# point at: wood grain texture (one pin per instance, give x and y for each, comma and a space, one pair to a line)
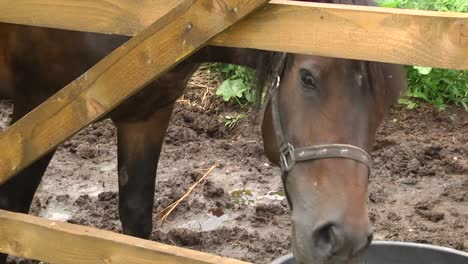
412, 37
123, 17
58, 242
169, 40
408, 37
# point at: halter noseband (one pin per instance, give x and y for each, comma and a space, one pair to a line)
289, 155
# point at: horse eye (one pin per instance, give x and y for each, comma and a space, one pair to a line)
308, 80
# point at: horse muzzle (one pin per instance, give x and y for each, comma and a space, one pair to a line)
331, 242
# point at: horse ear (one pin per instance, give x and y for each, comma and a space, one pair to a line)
266, 68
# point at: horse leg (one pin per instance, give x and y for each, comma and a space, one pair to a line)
17, 193
139, 146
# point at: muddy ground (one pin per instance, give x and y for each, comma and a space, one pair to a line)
418, 189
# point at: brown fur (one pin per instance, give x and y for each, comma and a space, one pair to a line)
347, 107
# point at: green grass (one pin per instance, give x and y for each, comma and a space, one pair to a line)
231, 121
436, 5
439, 87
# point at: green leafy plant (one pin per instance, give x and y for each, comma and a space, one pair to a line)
237, 84
436, 5
440, 87
242, 197
231, 121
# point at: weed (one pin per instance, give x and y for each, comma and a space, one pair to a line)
237, 84
242, 197
231, 120
439, 87
436, 5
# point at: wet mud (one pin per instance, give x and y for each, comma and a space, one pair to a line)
418, 190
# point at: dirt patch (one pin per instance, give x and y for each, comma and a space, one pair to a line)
418, 190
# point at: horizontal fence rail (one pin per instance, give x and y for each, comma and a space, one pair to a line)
57, 242
412, 37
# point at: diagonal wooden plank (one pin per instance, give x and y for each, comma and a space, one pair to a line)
169, 40
57, 242
413, 37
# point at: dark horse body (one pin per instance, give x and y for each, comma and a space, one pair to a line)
321, 100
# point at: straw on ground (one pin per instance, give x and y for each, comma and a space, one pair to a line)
168, 210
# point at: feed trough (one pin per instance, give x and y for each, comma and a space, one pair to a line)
387, 252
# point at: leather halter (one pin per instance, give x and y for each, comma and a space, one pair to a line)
289, 155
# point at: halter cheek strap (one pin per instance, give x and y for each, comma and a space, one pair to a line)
289, 155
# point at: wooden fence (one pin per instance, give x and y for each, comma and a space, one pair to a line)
412, 37
63, 243
165, 33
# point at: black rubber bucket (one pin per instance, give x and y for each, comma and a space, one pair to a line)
389, 252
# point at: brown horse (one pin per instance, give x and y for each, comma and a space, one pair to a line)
319, 122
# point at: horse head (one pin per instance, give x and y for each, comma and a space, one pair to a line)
319, 124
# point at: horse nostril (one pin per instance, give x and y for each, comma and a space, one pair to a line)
328, 239
331, 239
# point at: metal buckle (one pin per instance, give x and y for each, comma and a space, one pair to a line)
276, 82
287, 157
